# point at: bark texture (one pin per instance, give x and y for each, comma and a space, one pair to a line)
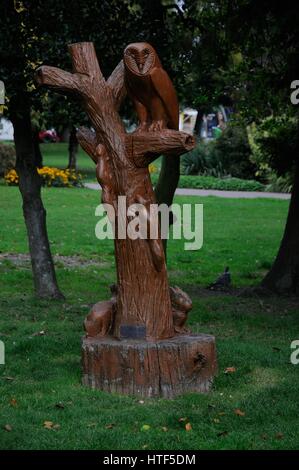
33, 209
283, 277
148, 369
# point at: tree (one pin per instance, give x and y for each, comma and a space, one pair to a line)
268, 45
14, 69
39, 32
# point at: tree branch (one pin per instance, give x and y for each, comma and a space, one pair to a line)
147, 146
116, 82
88, 141
57, 79
84, 60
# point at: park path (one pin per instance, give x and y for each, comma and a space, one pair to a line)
214, 192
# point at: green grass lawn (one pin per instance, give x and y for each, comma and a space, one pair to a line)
57, 155
41, 379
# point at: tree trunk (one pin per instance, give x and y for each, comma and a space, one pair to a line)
37, 152
198, 122
283, 277
73, 149
33, 209
166, 186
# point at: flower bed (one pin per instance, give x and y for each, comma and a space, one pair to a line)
51, 177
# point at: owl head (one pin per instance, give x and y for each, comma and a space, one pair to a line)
140, 57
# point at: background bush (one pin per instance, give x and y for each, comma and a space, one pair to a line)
275, 147
7, 158
228, 155
211, 182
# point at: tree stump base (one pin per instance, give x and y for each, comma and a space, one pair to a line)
165, 368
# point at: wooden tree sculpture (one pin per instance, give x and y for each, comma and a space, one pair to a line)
134, 343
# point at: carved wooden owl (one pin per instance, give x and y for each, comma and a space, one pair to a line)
150, 88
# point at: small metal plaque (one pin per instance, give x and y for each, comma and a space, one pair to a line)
133, 331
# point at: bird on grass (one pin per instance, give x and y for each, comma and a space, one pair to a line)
223, 282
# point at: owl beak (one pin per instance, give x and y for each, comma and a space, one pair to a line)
140, 67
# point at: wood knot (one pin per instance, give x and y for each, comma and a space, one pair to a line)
199, 362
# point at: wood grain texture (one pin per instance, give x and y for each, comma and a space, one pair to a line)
150, 369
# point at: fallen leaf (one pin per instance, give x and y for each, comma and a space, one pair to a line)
110, 426
238, 412
182, 420
188, 427
13, 402
7, 377
230, 370
216, 420
279, 435
222, 413
164, 428
48, 424
145, 446
141, 402
222, 433
56, 426
8, 427
39, 333
145, 427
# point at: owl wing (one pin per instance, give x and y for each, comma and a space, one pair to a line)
165, 89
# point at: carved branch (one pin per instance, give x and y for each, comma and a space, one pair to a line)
58, 79
147, 146
117, 83
88, 141
84, 60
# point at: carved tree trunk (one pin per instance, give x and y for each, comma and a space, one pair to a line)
156, 356
122, 169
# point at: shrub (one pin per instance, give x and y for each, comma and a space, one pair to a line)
275, 147
50, 177
222, 184
7, 158
228, 155
211, 182
233, 151
280, 184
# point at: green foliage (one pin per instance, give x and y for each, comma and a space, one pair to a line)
227, 155
202, 160
275, 147
7, 158
233, 151
280, 184
223, 184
